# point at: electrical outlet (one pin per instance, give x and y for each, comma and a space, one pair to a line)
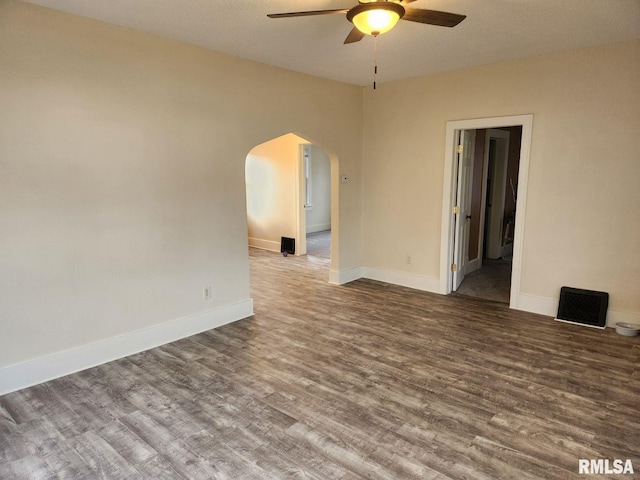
408, 259
206, 293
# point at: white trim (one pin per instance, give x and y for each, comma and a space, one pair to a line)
42, 369
262, 244
541, 305
528, 303
321, 227
518, 233
306, 176
446, 238
411, 280
466, 269
616, 316
301, 202
404, 279
345, 276
465, 139
579, 323
448, 201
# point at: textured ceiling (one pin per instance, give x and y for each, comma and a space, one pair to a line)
494, 30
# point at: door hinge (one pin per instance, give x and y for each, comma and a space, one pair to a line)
454, 267
459, 149
456, 209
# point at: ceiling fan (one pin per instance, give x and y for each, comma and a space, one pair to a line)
374, 17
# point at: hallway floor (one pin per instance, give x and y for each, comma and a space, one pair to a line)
491, 282
319, 244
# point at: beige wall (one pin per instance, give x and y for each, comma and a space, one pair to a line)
272, 192
582, 224
122, 175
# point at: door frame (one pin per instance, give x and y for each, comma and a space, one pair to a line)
449, 196
301, 210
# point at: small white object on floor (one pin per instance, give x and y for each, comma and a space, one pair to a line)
627, 329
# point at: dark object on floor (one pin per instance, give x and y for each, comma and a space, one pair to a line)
585, 307
288, 245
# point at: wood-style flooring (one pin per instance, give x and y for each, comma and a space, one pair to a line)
364, 380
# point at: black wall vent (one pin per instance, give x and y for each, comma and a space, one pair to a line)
584, 307
288, 245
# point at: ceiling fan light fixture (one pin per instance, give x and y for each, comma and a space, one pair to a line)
374, 18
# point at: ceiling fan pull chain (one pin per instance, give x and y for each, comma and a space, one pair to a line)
375, 60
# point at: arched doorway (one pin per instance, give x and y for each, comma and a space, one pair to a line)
292, 191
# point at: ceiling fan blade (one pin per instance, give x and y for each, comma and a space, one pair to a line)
433, 17
306, 14
355, 35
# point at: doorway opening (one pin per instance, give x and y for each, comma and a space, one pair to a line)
317, 203
489, 213
291, 186
486, 172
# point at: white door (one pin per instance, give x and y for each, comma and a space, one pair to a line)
462, 209
301, 198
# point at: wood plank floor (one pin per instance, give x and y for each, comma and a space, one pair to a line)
365, 380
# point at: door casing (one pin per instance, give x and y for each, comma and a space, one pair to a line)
449, 196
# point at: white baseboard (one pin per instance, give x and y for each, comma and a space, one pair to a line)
262, 244
615, 316
419, 282
42, 369
404, 279
345, 276
578, 323
321, 227
528, 303
549, 307
541, 305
